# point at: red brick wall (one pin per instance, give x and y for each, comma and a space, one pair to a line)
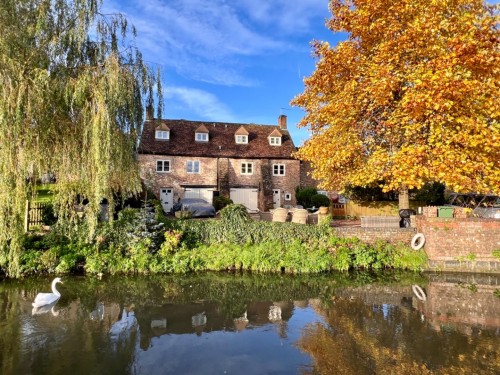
462, 244
370, 235
451, 303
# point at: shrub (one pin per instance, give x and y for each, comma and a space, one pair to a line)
221, 201
305, 195
48, 216
318, 200
234, 214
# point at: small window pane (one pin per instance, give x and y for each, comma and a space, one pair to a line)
246, 168
202, 137
241, 139
162, 134
275, 141
163, 165
278, 169
193, 166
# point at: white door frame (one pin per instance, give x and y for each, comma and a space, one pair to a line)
276, 198
167, 198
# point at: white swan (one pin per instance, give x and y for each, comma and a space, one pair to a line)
43, 299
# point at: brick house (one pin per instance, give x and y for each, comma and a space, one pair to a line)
251, 164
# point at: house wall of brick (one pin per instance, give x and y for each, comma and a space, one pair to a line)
461, 244
289, 182
177, 175
222, 173
235, 176
305, 175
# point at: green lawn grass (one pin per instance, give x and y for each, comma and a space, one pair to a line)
44, 193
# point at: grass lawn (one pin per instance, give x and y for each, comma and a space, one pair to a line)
44, 193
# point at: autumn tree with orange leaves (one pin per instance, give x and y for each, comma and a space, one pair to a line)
412, 96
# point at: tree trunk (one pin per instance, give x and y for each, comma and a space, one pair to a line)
404, 200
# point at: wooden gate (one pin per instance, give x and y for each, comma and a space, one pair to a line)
34, 214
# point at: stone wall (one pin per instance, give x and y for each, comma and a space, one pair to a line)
177, 175
222, 174
461, 244
371, 235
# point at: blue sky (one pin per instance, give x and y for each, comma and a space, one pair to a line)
230, 60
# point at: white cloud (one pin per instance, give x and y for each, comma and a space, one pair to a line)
206, 105
286, 16
210, 40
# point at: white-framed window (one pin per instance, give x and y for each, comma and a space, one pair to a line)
275, 141
193, 166
247, 168
241, 139
278, 169
288, 196
162, 134
163, 166
201, 137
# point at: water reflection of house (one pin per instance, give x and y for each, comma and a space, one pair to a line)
206, 316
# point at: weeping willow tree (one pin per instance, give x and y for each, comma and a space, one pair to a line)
73, 87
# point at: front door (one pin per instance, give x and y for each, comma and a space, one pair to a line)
167, 199
276, 198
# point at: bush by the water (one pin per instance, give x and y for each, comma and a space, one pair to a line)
142, 241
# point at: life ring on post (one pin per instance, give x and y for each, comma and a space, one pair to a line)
418, 241
419, 293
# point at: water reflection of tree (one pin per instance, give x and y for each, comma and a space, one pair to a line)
10, 328
365, 339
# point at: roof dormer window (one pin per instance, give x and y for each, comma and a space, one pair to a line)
201, 134
241, 139
241, 135
275, 141
162, 132
201, 137
275, 138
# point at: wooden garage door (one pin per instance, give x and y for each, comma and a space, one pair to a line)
206, 194
246, 197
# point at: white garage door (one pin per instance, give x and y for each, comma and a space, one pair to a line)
246, 197
206, 194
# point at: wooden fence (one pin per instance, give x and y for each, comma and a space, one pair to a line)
34, 214
382, 208
338, 209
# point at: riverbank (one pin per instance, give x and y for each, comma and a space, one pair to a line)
145, 241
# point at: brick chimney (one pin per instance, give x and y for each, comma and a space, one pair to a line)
150, 112
282, 122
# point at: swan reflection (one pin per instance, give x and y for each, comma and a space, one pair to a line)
98, 313
45, 309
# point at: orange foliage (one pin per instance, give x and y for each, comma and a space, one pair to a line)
412, 96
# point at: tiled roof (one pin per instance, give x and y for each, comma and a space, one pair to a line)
162, 127
221, 144
241, 131
275, 133
202, 129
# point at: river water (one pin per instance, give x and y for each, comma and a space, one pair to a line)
357, 323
